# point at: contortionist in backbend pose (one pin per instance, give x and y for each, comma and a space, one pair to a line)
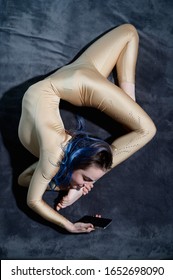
74, 161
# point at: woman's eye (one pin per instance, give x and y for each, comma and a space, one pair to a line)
87, 179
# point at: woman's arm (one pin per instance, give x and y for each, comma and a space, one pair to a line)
45, 170
38, 185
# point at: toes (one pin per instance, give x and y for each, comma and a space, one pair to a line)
60, 206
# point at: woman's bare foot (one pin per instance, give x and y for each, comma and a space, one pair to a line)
72, 196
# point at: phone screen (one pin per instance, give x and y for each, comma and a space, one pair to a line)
95, 221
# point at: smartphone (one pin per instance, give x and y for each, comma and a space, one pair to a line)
96, 222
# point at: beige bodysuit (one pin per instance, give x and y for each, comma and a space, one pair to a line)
82, 83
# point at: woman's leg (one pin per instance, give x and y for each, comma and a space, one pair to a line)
72, 196
117, 47
110, 99
25, 177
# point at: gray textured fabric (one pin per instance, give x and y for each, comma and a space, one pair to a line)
37, 37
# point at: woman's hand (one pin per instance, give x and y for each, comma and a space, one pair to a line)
81, 228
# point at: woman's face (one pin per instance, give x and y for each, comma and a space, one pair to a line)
86, 176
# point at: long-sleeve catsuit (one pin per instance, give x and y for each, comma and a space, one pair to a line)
82, 83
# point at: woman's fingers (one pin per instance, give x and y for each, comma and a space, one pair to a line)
98, 216
82, 227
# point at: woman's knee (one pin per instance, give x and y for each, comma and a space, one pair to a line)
148, 129
131, 29
153, 129
22, 180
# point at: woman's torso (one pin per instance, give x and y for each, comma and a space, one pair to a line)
41, 125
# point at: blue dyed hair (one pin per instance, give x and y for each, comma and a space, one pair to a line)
82, 151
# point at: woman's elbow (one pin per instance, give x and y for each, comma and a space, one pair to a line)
32, 203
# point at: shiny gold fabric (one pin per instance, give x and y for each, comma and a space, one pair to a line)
82, 83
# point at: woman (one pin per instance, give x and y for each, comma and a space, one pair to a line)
82, 83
